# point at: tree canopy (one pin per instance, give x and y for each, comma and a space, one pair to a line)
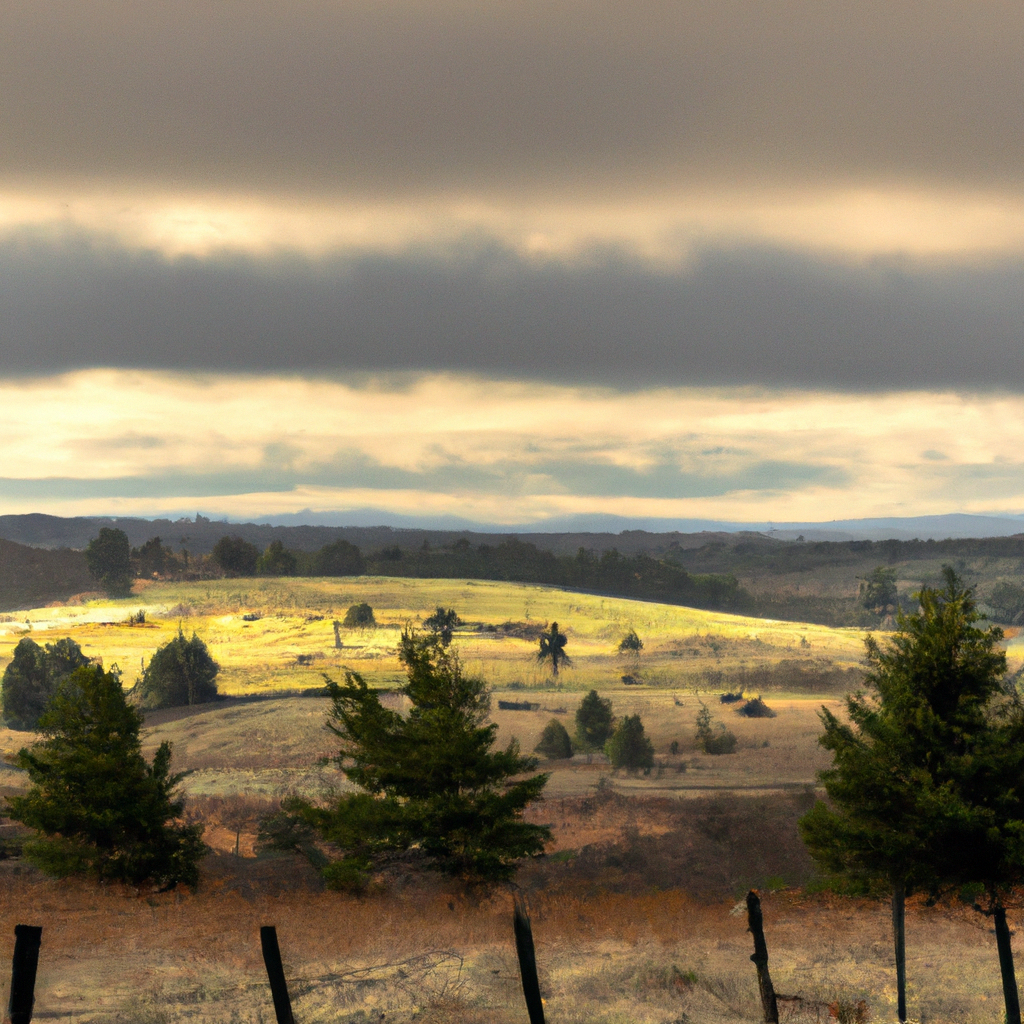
629, 746
428, 780
109, 557
181, 672
97, 805
442, 624
594, 720
32, 677
277, 561
236, 556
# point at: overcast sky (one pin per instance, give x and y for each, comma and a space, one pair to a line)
740, 260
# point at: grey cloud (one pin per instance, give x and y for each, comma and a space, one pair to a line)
745, 316
411, 96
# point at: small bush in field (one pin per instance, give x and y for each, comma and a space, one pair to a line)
554, 741
756, 708
713, 738
359, 615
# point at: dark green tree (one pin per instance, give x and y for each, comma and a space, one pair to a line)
429, 780
236, 556
109, 557
339, 559
32, 677
631, 644
277, 561
96, 804
878, 589
181, 672
713, 737
554, 741
442, 624
359, 616
153, 558
552, 648
629, 746
594, 720
905, 782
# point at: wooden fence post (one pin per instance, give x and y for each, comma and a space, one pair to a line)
23, 973
527, 962
275, 972
755, 924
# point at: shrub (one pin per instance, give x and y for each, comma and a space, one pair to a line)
554, 741
756, 708
359, 615
713, 738
629, 746
97, 805
32, 678
236, 556
181, 672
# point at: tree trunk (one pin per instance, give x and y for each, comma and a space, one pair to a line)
899, 939
1010, 997
755, 924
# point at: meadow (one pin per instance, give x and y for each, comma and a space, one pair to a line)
632, 907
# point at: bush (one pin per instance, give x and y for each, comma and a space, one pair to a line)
32, 678
97, 805
629, 746
277, 561
236, 556
756, 708
554, 741
339, 559
713, 738
359, 615
181, 672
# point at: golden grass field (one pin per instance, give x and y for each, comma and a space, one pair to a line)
620, 937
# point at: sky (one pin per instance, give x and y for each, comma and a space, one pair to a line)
757, 260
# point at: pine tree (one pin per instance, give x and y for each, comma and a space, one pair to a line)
594, 720
32, 677
429, 779
907, 779
554, 741
629, 746
96, 804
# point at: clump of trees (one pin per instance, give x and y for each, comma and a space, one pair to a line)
181, 672
339, 559
442, 624
236, 556
878, 590
360, 616
32, 677
277, 561
429, 781
97, 806
555, 743
108, 556
926, 787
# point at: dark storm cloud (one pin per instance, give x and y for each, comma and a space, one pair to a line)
412, 96
739, 316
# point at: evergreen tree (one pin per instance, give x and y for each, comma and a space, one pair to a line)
97, 805
236, 556
552, 647
629, 746
594, 720
339, 559
442, 624
631, 644
554, 741
429, 779
277, 561
109, 557
360, 616
181, 672
912, 775
32, 677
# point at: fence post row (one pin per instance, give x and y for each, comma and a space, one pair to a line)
275, 972
527, 962
755, 924
23, 973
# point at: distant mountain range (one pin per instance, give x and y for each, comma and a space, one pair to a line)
372, 529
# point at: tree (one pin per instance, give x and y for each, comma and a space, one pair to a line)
713, 737
97, 805
32, 677
339, 559
442, 624
629, 746
552, 646
181, 672
594, 720
554, 741
907, 785
631, 644
153, 558
878, 590
429, 780
236, 556
359, 616
109, 557
277, 561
